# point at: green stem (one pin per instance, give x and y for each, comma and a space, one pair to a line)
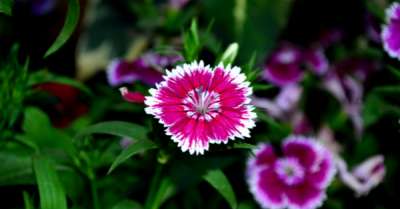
95, 195
158, 198
153, 185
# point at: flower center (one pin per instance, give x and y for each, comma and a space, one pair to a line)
290, 171
201, 102
287, 57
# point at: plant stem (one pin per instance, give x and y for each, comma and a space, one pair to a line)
95, 195
153, 185
158, 198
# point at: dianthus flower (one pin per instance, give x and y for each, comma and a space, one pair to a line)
391, 32
285, 65
200, 105
142, 69
297, 180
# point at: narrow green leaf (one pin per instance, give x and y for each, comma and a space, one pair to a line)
395, 71
118, 128
168, 52
27, 200
262, 116
193, 31
6, 7
51, 192
242, 145
69, 27
213, 175
230, 54
133, 149
250, 64
127, 204
261, 87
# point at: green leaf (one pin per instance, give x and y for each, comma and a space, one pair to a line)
117, 128
230, 54
261, 87
249, 66
127, 204
395, 71
264, 117
27, 200
213, 175
6, 6
133, 149
377, 11
37, 127
69, 27
241, 145
51, 192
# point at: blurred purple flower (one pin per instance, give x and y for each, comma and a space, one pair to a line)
178, 4
391, 32
285, 65
364, 176
40, 7
143, 69
285, 107
326, 136
372, 28
348, 91
296, 180
328, 37
359, 67
132, 97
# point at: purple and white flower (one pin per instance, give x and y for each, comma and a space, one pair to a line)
364, 176
391, 32
296, 180
201, 106
147, 69
285, 65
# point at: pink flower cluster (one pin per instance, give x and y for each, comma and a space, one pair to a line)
296, 180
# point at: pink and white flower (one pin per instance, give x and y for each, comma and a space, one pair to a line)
364, 176
201, 106
143, 69
297, 180
285, 65
391, 32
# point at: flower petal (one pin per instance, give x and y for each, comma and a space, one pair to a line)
390, 33
325, 173
306, 150
267, 188
316, 61
304, 196
282, 75
132, 97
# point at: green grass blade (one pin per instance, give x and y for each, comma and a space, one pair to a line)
51, 192
213, 175
133, 149
118, 128
69, 27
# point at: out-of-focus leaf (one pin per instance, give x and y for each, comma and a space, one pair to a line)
262, 116
241, 145
127, 204
16, 164
27, 200
262, 23
51, 192
387, 89
68, 28
230, 54
133, 149
376, 10
375, 107
249, 66
261, 87
213, 175
191, 41
180, 177
6, 7
118, 128
37, 127
395, 71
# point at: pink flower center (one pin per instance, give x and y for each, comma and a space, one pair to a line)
290, 171
201, 102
